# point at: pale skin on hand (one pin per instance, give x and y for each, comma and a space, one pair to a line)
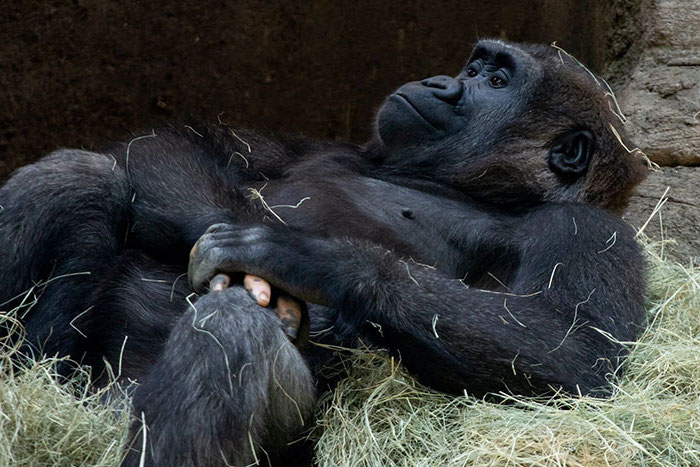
288, 309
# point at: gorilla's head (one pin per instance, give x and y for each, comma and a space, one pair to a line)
519, 124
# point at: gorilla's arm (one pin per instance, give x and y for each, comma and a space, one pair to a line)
62, 225
185, 179
68, 216
572, 287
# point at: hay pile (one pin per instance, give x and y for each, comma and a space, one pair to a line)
44, 423
380, 416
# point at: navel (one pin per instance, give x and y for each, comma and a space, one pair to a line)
407, 213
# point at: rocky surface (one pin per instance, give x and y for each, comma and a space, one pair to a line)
661, 96
679, 217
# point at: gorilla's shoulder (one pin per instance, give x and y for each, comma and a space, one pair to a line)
571, 220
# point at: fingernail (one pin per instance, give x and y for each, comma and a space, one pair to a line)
219, 283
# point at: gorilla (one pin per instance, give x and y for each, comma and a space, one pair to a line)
475, 235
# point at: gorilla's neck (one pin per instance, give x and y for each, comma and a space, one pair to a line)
410, 167
437, 170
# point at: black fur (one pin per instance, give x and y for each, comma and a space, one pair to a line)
451, 238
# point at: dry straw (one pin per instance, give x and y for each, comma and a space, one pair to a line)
381, 416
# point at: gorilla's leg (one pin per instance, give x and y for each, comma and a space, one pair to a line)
62, 223
229, 387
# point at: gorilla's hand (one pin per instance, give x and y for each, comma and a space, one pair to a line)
285, 259
290, 311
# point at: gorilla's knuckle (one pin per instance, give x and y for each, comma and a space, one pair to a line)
256, 234
197, 251
250, 236
220, 227
212, 254
206, 244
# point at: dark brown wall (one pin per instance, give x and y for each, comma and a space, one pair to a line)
83, 72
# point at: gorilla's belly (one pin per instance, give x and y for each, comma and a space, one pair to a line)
426, 227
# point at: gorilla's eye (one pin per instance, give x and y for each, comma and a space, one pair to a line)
472, 71
497, 82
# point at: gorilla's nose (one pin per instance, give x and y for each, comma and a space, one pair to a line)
444, 88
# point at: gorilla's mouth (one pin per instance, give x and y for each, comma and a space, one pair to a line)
400, 97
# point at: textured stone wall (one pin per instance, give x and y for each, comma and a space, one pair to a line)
660, 94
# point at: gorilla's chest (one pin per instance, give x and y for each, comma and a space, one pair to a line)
429, 228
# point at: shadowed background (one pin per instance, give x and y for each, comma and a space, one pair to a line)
81, 73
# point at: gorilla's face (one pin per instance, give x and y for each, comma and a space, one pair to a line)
487, 91
518, 121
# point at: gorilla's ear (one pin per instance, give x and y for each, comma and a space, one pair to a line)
570, 154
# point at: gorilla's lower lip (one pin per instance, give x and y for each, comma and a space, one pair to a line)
402, 98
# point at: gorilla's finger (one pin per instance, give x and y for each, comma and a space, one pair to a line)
259, 289
289, 312
219, 282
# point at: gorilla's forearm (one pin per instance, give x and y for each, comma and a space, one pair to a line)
455, 338
543, 332
559, 324
222, 166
